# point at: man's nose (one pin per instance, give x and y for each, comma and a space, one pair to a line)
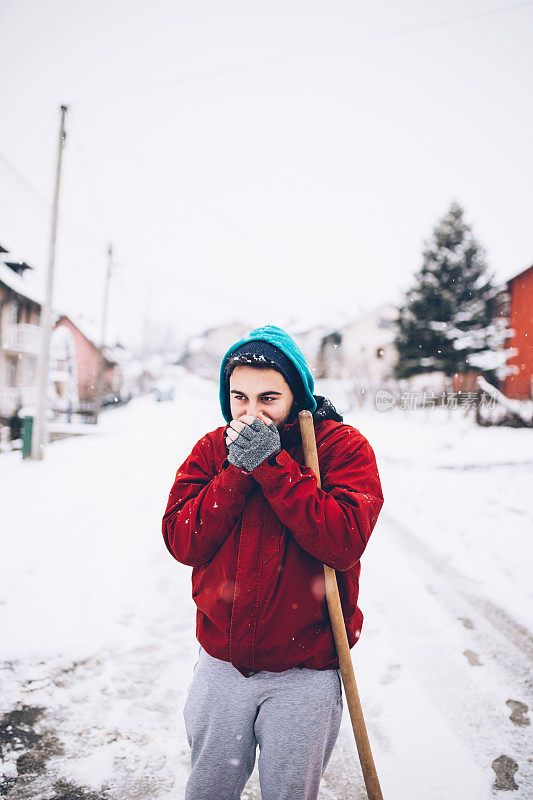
254, 408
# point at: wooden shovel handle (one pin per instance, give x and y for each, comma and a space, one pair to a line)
370, 776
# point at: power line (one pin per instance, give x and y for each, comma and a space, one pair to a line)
38, 195
43, 200
226, 223
24, 181
258, 65
102, 222
42, 138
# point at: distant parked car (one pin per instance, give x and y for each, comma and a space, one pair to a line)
164, 390
110, 399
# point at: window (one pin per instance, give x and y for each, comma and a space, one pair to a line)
13, 313
11, 371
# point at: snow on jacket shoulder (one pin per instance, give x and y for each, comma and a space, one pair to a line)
257, 542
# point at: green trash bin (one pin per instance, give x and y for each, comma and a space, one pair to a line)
27, 429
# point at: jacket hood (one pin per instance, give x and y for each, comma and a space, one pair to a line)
280, 339
325, 410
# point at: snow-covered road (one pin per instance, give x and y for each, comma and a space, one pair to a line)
97, 623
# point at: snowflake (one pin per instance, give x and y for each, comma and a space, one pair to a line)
216, 505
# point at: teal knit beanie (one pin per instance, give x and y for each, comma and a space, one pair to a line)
289, 350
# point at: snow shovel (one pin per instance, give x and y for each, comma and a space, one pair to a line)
373, 789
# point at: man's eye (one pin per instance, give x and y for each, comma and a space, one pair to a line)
241, 397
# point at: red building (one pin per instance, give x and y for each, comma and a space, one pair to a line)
519, 385
85, 355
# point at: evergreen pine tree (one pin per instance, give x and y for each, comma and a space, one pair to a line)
452, 320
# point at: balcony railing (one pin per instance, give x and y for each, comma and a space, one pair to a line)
23, 337
12, 397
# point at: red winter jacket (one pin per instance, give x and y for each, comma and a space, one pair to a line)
257, 542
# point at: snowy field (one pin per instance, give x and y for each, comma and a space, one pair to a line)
97, 624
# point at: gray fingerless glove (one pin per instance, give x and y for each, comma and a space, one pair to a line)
254, 444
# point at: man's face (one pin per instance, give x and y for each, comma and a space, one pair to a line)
253, 390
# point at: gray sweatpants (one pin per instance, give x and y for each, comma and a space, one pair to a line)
294, 717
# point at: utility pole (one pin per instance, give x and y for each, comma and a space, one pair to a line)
99, 378
39, 428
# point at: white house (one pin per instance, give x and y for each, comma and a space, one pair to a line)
204, 352
368, 353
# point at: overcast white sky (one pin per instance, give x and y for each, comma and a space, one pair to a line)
260, 160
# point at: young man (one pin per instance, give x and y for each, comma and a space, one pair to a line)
250, 519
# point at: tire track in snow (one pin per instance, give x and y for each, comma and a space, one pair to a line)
500, 673
452, 584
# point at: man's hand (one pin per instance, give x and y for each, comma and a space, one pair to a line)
251, 440
237, 425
